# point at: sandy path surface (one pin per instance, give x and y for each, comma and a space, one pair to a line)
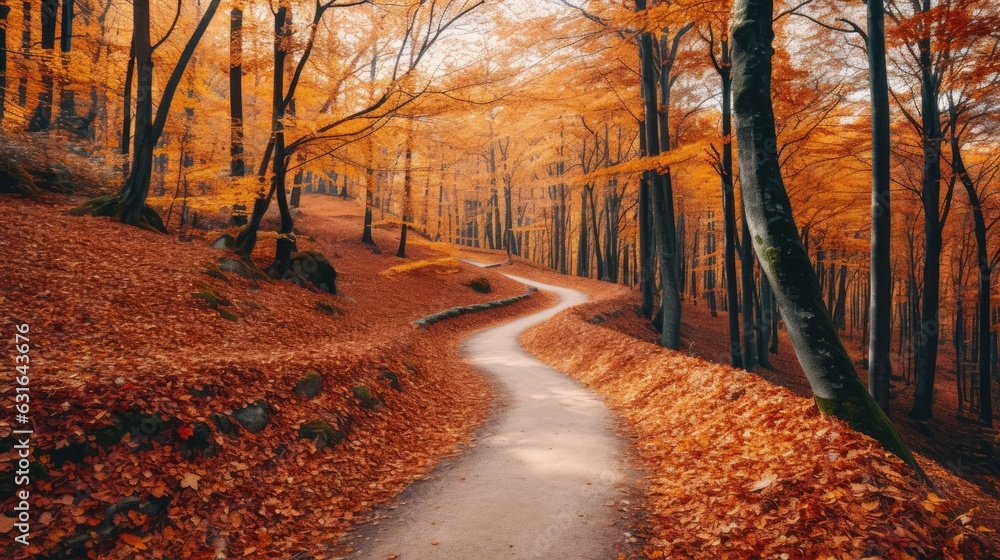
542, 480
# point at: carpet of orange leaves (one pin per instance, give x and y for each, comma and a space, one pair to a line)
739, 468
114, 325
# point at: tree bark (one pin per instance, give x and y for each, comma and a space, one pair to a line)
985, 268
286, 237
929, 327
880, 307
837, 389
136, 188
407, 187
662, 202
4, 13
723, 67
237, 167
747, 286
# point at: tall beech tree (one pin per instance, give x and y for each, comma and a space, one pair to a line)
880, 337
835, 385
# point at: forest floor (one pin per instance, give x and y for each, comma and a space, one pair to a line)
134, 375
143, 352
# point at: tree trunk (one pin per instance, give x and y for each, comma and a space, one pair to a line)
747, 285
929, 327
237, 167
583, 246
407, 187
645, 260
729, 207
286, 239
136, 188
4, 13
837, 389
662, 202
880, 306
765, 320
41, 119
985, 272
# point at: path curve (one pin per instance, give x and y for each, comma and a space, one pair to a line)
542, 481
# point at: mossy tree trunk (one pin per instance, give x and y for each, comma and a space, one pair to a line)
835, 385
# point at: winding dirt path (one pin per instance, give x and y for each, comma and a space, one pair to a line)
542, 480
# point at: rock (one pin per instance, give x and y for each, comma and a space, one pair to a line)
481, 285
365, 397
253, 417
311, 384
322, 434
313, 268
225, 424
109, 435
223, 243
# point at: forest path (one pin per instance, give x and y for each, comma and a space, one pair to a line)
542, 480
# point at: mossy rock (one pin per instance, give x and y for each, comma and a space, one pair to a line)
225, 424
366, 397
321, 434
310, 386
15, 180
313, 268
254, 417
481, 285
393, 380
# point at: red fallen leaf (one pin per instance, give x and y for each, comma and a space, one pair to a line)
129, 386
185, 432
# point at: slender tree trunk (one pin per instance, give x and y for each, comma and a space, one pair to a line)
880, 307
41, 119
747, 285
729, 207
147, 131
837, 389
662, 202
126, 136
765, 319
583, 246
286, 240
645, 260
929, 326
407, 187
983, 306
4, 14
237, 166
